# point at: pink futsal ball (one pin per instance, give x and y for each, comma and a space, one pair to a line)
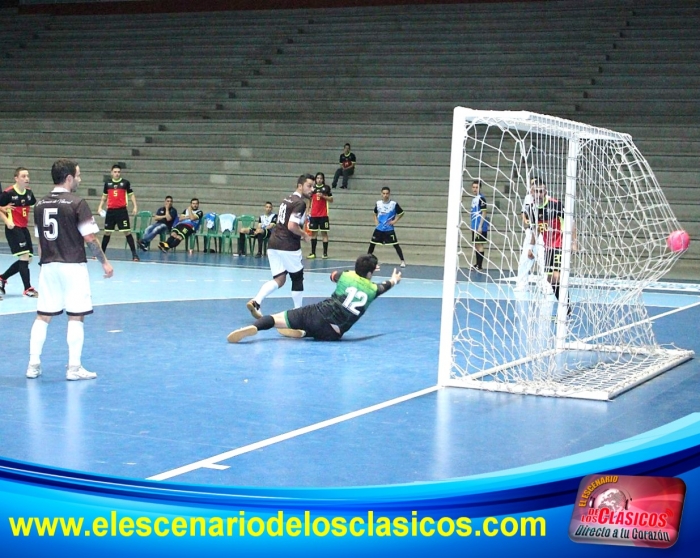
678, 241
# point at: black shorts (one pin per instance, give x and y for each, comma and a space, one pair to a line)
384, 237
20, 241
479, 238
319, 224
309, 319
552, 260
183, 231
117, 219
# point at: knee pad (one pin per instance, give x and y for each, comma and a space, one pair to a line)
297, 280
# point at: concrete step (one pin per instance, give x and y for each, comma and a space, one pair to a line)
359, 94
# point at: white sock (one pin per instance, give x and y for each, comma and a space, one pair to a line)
266, 290
298, 298
75, 337
36, 341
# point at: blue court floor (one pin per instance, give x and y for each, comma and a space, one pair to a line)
173, 400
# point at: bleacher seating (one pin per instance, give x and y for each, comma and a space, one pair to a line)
232, 106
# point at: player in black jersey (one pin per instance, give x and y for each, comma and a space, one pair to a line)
284, 247
64, 224
116, 195
16, 203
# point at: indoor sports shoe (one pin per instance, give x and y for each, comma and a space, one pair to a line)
135, 258
79, 373
2, 286
236, 336
254, 309
163, 246
293, 333
33, 371
31, 292
311, 257
143, 245
403, 263
325, 256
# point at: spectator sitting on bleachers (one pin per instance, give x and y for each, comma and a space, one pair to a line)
261, 231
346, 169
165, 218
187, 226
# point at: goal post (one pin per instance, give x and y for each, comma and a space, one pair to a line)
577, 228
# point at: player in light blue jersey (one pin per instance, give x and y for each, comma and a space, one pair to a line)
479, 224
387, 213
329, 319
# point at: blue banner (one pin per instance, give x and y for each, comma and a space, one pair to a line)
53, 512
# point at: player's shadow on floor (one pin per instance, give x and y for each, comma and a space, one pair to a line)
309, 339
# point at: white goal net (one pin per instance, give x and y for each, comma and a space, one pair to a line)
559, 307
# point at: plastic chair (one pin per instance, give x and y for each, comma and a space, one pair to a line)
225, 231
211, 233
141, 221
208, 222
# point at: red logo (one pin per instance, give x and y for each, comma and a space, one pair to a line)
628, 511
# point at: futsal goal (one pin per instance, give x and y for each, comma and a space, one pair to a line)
599, 220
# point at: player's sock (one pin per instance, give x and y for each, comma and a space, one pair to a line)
266, 322
130, 242
314, 243
325, 248
12, 270
555, 286
266, 290
370, 250
105, 242
24, 274
75, 337
399, 252
173, 241
37, 338
298, 298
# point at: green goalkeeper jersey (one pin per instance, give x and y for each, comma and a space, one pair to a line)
352, 295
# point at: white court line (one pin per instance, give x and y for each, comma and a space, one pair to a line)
640, 322
211, 462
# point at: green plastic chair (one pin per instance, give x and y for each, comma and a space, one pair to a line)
226, 237
141, 221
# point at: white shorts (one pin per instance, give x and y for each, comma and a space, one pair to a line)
64, 286
284, 260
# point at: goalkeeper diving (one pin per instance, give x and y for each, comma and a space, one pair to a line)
329, 319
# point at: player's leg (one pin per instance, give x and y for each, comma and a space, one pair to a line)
78, 305
240, 248
336, 176
26, 276
525, 263
110, 227
50, 304
324, 241
125, 227
37, 338
17, 241
297, 278
264, 323
177, 235
260, 237
377, 238
314, 239
347, 173
279, 277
